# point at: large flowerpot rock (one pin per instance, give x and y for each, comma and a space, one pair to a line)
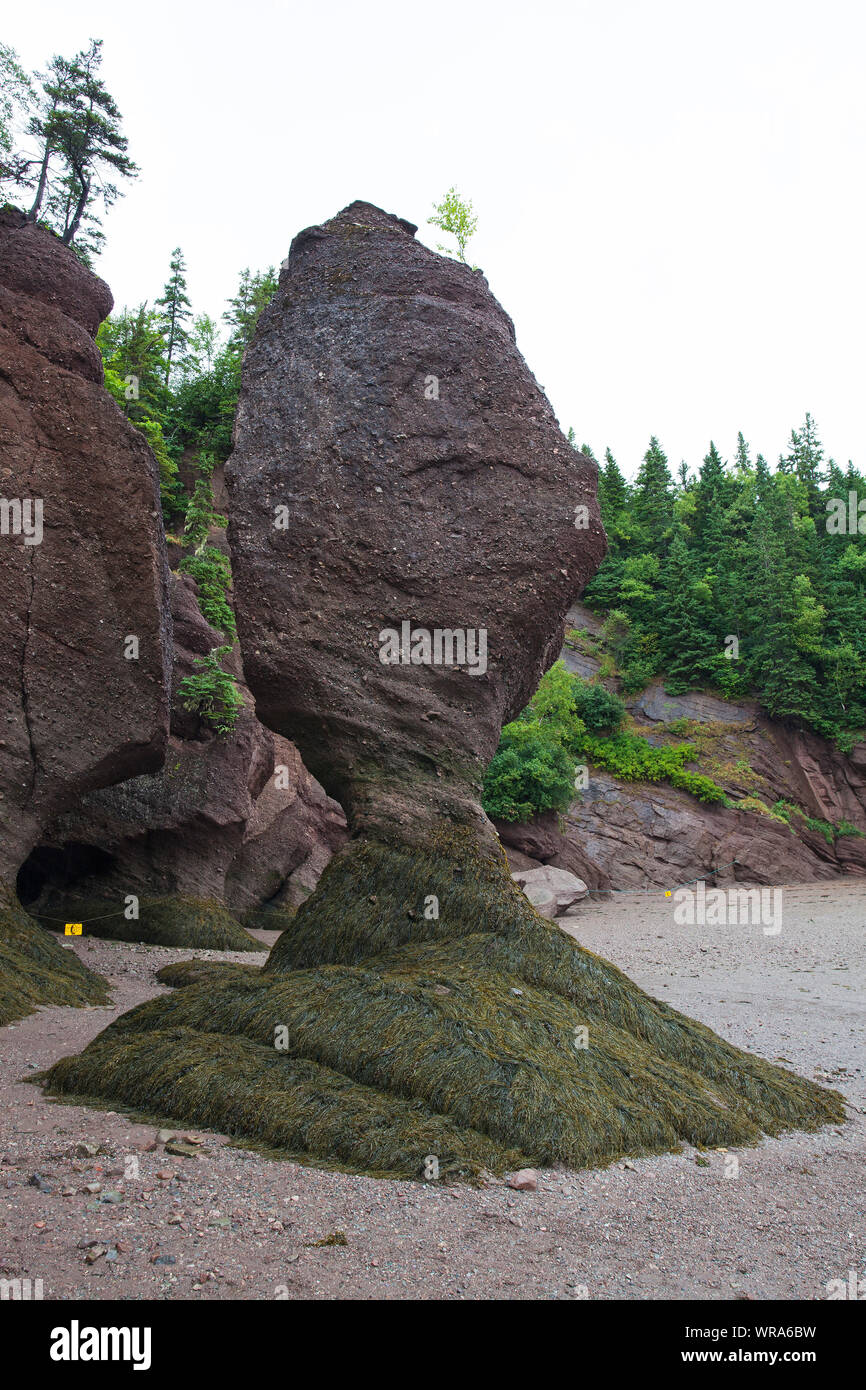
396, 463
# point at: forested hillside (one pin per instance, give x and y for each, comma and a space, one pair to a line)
741, 578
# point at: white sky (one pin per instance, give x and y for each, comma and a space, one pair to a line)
670, 192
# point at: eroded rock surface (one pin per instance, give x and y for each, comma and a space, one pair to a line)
75, 713
82, 577
228, 821
636, 834
428, 1014
385, 406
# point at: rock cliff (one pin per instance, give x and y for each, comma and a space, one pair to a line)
84, 664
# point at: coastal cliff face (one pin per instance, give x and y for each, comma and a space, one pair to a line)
798, 800
235, 820
85, 660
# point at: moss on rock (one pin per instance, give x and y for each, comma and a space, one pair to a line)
168, 921
379, 1034
35, 969
269, 918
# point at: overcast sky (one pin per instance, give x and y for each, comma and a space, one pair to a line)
670, 193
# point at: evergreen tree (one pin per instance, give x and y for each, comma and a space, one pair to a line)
612, 486
16, 99
134, 354
688, 645
242, 315
711, 497
79, 124
175, 312
805, 461
742, 462
653, 498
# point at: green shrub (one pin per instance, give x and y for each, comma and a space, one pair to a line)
212, 572
822, 827
211, 692
531, 772
598, 708
533, 768
201, 517
698, 785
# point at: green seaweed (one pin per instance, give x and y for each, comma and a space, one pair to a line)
35, 969
379, 1035
164, 921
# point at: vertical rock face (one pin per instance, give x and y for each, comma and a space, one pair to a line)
397, 467
82, 564
227, 822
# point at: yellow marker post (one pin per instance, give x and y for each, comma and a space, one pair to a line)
667, 892
72, 929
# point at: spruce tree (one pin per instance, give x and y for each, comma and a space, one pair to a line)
653, 498
242, 315
688, 645
79, 126
175, 312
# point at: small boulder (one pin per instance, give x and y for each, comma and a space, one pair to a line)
551, 891
526, 1180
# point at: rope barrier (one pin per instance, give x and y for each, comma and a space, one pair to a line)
642, 892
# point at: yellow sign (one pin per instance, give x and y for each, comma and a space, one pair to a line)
72, 929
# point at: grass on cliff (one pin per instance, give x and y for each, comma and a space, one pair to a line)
35, 969
570, 722
377, 1037
168, 921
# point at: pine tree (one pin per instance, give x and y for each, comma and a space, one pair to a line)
653, 497
688, 643
742, 462
16, 99
175, 312
711, 497
79, 123
805, 461
242, 315
133, 353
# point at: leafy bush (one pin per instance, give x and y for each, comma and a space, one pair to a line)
531, 772
598, 708
822, 827
211, 692
533, 768
212, 572
698, 785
